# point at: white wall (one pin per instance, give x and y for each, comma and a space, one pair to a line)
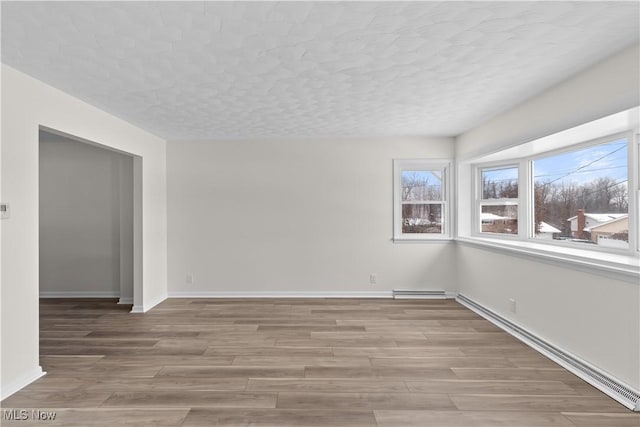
590, 316
295, 216
26, 105
86, 215
126, 238
594, 317
606, 88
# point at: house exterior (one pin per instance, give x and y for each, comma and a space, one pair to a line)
490, 218
595, 226
492, 223
547, 231
607, 231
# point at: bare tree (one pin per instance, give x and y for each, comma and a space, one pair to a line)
418, 186
499, 189
541, 207
411, 181
556, 202
621, 198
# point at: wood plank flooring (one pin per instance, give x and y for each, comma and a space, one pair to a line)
298, 362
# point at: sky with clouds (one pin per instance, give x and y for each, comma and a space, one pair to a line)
585, 165
574, 167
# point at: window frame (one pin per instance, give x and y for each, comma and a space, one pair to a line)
634, 188
479, 202
444, 165
526, 202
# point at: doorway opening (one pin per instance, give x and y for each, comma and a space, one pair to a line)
89, 220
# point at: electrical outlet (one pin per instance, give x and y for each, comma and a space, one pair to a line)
373, 278
189, 279
512, 305
4, 211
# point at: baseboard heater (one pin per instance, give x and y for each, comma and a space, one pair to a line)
600, 380
399, 294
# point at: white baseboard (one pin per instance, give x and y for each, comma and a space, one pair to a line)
21, 382
78, 294
286, 294
126, 300
146, 307
606, 383
423, 294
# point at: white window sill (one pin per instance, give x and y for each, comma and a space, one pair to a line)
439, 239
619, 266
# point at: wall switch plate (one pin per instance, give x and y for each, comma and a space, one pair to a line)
189, 279
512, 305
4, 211
373, 278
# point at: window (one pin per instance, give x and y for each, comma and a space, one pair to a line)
420, 200
582, 195
579, 195
498, 201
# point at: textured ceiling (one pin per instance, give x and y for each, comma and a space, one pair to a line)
203, 70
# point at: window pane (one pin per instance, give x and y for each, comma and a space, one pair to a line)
499, 219
421, 218
421, 185
500, 183
582, 196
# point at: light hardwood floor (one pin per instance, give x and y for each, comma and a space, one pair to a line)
299, 362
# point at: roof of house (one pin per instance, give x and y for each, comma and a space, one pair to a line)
602, 224
601, 217
491, 217
547, 228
